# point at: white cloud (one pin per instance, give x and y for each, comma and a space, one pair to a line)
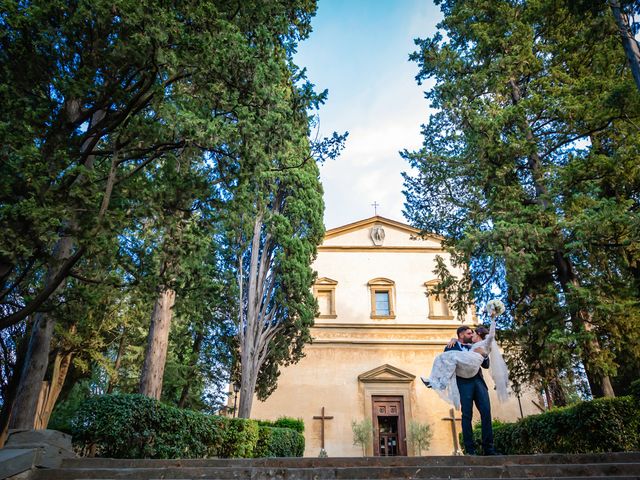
373, 95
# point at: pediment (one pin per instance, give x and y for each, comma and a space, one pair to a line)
379, 232
385, 374
326, 281
368, 222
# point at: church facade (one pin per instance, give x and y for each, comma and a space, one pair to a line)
378, 331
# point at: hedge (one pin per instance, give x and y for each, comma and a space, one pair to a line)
136, 426
596, 426
296, 424
279, 442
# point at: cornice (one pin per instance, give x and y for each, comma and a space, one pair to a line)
376, 220
392, 326
353, 341
382, 248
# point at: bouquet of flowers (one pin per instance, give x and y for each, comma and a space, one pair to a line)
494, 308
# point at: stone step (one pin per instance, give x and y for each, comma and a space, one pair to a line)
314, 462
576, 470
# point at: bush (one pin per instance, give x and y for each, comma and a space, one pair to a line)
293, 423
601, 425
296, 424
135, 426
279, 442
634, 389
65, 411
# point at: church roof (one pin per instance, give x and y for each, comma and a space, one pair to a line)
378, 220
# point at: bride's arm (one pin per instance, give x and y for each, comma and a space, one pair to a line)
492, 331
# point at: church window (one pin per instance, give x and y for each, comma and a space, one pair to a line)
382, 303
382, 298
438, 307
324, 291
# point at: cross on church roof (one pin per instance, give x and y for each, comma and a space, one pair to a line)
375, 206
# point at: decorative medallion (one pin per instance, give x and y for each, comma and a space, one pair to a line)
377, 235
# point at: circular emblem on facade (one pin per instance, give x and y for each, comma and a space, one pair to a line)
377, 235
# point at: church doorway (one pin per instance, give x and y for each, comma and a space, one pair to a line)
388, 426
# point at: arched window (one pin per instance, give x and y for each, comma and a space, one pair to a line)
438, 308
325, 292
383, 299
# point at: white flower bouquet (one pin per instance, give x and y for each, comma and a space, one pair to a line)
494, 308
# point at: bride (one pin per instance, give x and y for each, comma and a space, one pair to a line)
466, 363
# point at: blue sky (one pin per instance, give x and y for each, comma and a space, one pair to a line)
359, 51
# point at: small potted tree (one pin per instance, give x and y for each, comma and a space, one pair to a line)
362, 433
419, 437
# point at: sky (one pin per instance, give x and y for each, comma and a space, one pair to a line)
359, 52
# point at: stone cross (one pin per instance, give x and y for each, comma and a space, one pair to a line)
322, 418
452, 418
375, 206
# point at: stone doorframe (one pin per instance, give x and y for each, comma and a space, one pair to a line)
387, 381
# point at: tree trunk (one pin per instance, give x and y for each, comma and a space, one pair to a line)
37, 356
247, 387
155, 357
50, 391
564, 267
113, 381
247, 327
556, 392
600, 385
629, 43
195, 354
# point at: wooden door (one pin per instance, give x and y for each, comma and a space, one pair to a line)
388, 426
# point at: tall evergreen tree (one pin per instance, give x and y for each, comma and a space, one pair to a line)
276, 227
91, 92
522, 91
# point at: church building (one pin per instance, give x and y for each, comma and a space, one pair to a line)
378, 331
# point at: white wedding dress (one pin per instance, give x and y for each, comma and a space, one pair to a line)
465, 364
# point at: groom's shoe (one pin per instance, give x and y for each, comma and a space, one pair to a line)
426, 382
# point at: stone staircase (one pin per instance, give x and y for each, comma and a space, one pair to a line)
585, 466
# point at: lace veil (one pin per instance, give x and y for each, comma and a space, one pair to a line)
499, 372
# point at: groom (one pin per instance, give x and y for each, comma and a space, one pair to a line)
473, 390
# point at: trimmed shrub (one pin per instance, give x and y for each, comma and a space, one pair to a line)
296, 424
596, 426
279, 442
287, 422
136, 426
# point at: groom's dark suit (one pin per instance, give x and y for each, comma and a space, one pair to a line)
475, 390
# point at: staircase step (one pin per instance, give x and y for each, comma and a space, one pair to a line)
343, 473
621, 466
314, 462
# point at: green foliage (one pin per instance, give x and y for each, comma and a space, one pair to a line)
135, 426
419, 436
601, 425
279, 442
529, 169
274, 230
634, 389
362, 433
144, 151
65, 411
296, 424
